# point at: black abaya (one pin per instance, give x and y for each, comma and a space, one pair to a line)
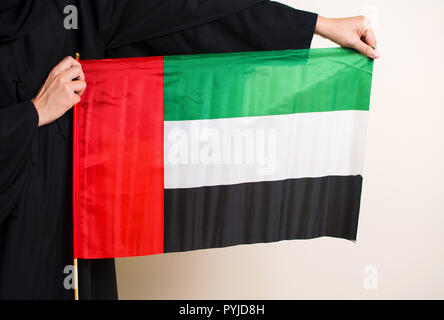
35, 163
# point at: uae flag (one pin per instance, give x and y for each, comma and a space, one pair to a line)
190, 152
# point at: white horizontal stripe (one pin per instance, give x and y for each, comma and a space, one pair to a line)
204, 152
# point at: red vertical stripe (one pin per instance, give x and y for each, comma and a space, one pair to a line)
120, 164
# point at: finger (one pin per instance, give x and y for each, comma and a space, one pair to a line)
73, 73
81, 76
365, 49
78, 86
66, 63
370, 38
76, 99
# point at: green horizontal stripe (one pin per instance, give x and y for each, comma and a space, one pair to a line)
213, 86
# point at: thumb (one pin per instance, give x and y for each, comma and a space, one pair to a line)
365, 49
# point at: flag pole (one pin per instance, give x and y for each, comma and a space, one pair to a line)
75, 196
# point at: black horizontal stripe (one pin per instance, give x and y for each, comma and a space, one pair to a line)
220, 216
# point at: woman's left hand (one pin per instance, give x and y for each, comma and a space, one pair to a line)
354, 32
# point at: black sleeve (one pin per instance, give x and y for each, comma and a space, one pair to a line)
123, 22
18, 129
264, 26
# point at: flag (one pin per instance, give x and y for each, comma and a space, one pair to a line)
179, 153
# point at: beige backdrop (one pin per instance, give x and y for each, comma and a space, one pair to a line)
399, 252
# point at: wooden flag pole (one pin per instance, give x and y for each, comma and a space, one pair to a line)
75, 196
76, 281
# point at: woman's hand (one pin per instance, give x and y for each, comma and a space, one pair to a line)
61, 90
352, 32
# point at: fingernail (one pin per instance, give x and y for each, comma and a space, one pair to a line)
375, 54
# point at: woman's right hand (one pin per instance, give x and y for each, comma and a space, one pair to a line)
61, 90
354, 32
